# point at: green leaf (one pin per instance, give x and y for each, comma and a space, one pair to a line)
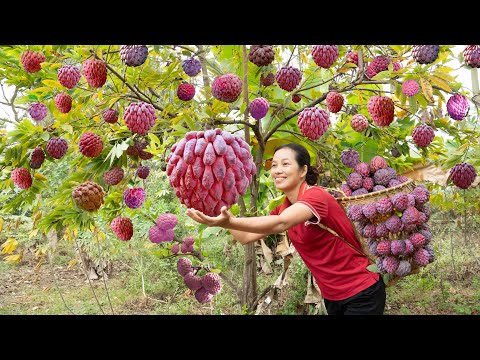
413, 104
45, 136
52, 83
373, 268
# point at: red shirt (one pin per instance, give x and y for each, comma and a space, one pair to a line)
339, 270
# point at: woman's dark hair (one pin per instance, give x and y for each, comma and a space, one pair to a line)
303, 158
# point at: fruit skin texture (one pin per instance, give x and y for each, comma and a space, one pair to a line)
192, 281
184, 266
185, 91
377, 162
288, 78
378, 64
95, 72
22, 178
166, 221
56, 147
210, 169
425, 54
191, 66
352, 57
37, 158
31, 61
267, 80
334, 101
313, 122
110, 116
463, 175
350, 158
381, 109
227, 87
261, 55
88, 196
113, 176
404, 268
212, 283
259, 108
203, 296
133, 55
38, 111
458, 107
410, 87
158, 235
143, 171
139, 117
134, 197
423, 135
122, 227
471, 55
354, 180
68, 76
90, 144
63, 102
324, 55
359, 122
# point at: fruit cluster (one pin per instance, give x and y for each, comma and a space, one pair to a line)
205, 287
395, 225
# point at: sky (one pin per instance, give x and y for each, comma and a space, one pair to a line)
463, 75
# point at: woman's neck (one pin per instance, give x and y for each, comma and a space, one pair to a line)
293, 194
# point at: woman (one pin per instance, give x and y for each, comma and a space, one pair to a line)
339, 268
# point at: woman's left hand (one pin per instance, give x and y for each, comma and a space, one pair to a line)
221, 220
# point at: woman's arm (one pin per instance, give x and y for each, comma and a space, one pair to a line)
244, 237
270, 224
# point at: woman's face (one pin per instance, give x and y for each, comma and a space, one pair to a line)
285, 170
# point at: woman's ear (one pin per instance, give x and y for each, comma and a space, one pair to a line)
304, 170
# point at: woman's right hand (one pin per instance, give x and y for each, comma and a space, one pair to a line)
221, 220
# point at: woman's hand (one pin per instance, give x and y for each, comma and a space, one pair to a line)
221, 220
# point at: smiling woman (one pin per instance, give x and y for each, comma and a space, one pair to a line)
335, 257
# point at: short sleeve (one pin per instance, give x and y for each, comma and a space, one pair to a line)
275, 211
315, 199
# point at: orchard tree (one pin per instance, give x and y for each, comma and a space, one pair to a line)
88, 118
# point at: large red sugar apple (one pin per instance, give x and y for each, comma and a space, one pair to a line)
63, 102
288, 78
261, 55
227, 87
95, 72
139, 117
90, 144
31, 60
210, 169
378, 64
22, 178
381, 110
423, 135
313, 122
68, 76
122, 227
334, 101
324, 55
56, 147
463, 175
